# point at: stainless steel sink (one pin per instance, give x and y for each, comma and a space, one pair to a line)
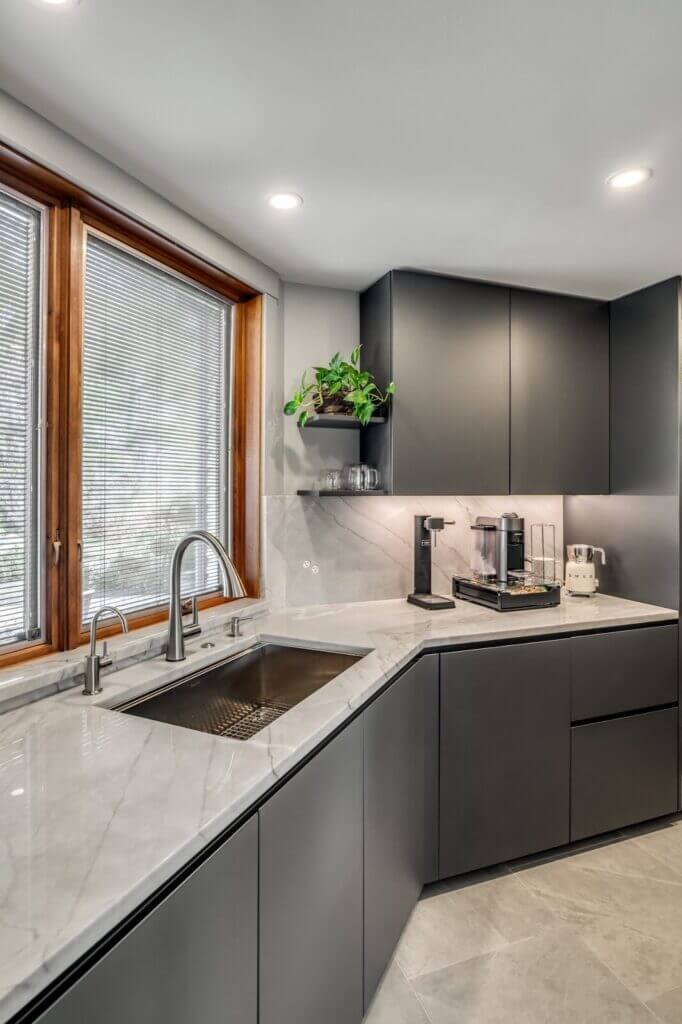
243, 694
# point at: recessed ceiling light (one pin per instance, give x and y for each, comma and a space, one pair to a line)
629, 178
285, 201
58, 3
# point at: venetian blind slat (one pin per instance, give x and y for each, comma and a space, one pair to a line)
155, 362
20, 341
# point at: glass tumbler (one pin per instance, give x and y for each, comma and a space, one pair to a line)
369, 478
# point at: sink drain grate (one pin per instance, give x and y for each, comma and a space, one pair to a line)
259, 718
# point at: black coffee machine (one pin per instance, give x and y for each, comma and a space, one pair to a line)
498, 578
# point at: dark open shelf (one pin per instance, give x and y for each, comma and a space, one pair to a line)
339, 494
339, 422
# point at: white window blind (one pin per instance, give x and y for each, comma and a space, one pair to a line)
155, 453
21, 570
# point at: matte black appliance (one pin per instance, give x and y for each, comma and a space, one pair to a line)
498, 578
424, 527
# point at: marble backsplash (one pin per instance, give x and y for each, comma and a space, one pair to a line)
328, 550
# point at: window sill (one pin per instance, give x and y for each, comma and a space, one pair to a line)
43, 676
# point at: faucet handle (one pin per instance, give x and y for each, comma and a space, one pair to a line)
193, 629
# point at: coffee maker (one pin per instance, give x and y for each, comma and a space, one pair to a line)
499, 547
498, 577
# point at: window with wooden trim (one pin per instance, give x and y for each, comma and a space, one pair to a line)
129, 414
156, 390
22, 336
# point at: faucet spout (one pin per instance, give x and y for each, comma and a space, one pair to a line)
232, 584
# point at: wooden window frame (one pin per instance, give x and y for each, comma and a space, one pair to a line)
71, 213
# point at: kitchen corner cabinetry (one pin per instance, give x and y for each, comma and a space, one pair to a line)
396, 749
498, 390
192, 958
624, 736
468, 758
559, 394
311, 890
555, 740
504, 753
445, 343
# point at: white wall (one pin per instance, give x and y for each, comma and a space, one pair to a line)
317, 322
26, 131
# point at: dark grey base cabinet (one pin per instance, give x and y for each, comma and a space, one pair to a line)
627, 670
311, 890
395, 752
624, 771
504, 753
193, 958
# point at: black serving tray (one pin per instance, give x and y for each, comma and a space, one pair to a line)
506, 599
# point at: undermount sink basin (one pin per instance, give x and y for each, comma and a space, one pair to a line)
243, 694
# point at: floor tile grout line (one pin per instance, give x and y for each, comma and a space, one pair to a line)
658, 859
618, 979
465, 960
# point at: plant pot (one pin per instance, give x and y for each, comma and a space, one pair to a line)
334, 405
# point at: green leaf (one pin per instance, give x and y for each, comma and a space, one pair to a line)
291, 407
355, 355
390, 390
303, 418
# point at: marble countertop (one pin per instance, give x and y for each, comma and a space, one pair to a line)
98, 809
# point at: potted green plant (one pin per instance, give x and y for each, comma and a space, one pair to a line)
341, 389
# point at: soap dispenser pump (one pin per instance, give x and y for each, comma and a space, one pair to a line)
425, 528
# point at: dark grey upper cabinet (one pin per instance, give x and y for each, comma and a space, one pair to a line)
193, 958
504, 753
445, 343
559, 394
311, 879
395, 753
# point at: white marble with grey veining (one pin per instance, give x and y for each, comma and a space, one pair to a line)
97, 809
361, 548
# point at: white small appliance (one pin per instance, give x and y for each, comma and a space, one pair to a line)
581, 575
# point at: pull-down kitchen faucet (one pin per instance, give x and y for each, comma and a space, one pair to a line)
232, 583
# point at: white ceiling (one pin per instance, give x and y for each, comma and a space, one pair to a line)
465, 136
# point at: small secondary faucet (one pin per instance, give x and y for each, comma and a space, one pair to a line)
232, 583
94, 661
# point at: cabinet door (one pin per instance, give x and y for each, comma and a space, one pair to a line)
623, 771
395, 751
559, 394
450, 414
504, 753
193, 958
311, 868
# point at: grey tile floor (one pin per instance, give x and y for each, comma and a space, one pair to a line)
589, 935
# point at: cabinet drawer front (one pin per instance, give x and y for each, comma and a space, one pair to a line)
623, 771
623, 671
